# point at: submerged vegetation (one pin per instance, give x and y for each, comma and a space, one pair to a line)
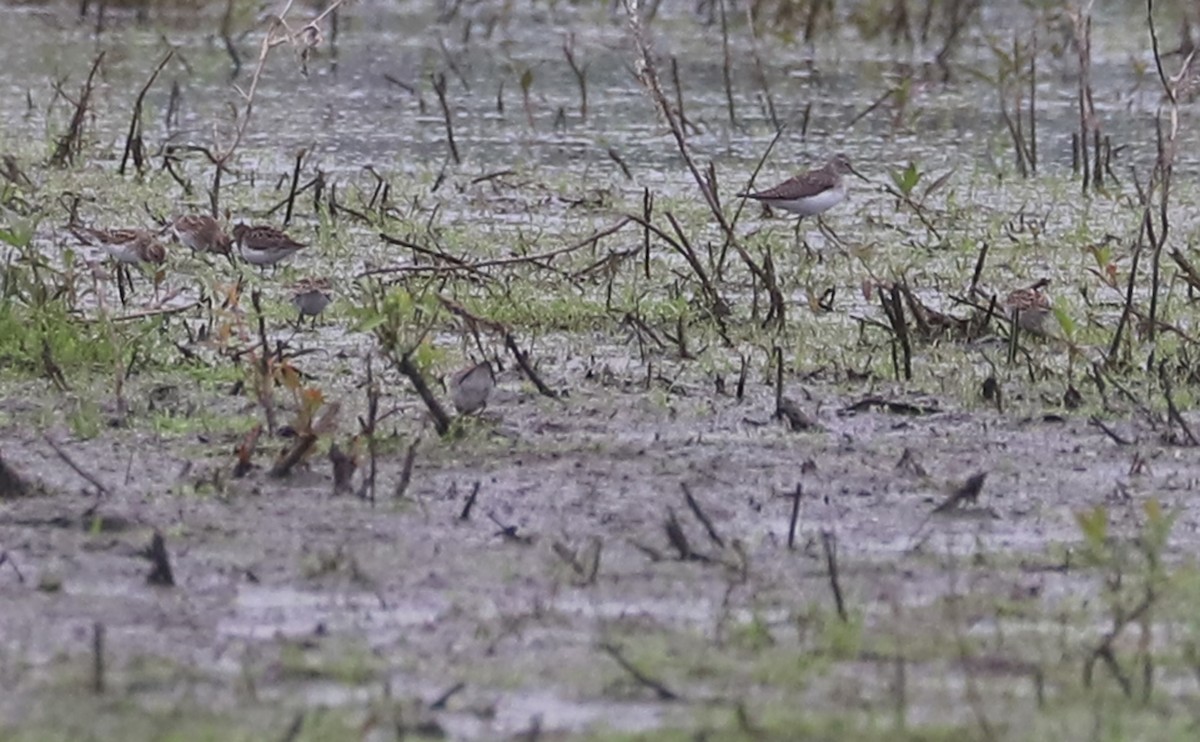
918, 466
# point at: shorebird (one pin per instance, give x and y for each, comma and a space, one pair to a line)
310, 296
471, 386
811, 193
262, 245
128, 247
1029, 307
202, 234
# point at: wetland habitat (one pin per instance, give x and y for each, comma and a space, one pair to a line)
920, 468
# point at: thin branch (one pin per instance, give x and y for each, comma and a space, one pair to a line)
663, 692
76, 467
135, 121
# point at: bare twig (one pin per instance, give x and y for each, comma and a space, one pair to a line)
133, 140
1114, 435
829, 544
306, 438
588, 241
439, 87
522, 359
406, 470
264, 375
470, 503
701, 516
580, 73
648, 75
97, 658
1172, 410
660, 690
796, 497
245, 451
306, 37
291, 198
71, 141
441, 420
100, 488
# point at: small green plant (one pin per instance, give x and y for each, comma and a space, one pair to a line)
18, 232
1135, 581
906, 180
85, 420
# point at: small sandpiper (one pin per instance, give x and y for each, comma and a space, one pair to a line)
129, 247
310, 296
202, 234
470, 387
126, 246
264, 245
1030, 307
811, 193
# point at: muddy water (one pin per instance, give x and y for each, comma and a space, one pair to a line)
292, 600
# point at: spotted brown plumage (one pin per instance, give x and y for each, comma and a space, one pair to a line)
202, 234
264, 245
1030, 306
127, 246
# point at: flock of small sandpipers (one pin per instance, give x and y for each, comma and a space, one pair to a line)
263, 246
260, 245
811, 193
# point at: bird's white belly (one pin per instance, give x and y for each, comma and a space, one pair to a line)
188, 239
124, 253
264, 256
813, 205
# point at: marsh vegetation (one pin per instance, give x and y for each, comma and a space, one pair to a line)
536, 430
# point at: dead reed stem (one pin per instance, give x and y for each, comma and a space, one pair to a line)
263, 373
441, 420
648, 75
439, 88
1082, 28
727, 66
580, 72
306, 37
1161, 175
291, 199
70, 143
133, 140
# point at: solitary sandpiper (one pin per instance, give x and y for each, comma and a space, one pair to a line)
811, 193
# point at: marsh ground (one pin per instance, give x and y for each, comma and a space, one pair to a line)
1060, 603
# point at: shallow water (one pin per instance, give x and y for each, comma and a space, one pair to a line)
290, 598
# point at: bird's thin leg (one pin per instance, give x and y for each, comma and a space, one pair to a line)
828, 230
120, 283
160, 275
800, 241
1014, 333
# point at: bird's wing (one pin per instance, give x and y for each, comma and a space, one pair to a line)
801, 186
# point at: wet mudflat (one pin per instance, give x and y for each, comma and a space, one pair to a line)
645, 548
